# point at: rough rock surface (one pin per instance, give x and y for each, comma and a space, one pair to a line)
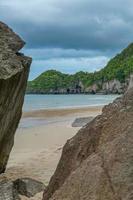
7, 191
28, 187
97, 163
14, 70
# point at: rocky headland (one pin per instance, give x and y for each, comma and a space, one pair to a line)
114, 78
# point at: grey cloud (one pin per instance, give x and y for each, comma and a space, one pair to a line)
70, 35
75, 24
50, 53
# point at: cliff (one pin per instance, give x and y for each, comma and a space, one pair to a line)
97, 163
111, 87
69, 84
113, 78
14, 70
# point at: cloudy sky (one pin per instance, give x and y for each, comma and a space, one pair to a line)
70, 35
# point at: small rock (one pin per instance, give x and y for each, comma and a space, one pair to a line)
7, 191
79, 122
28, 187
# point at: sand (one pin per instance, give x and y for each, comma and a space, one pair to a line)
37, 150
63, 112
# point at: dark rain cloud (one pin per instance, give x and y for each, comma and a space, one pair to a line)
75, 24
66, 33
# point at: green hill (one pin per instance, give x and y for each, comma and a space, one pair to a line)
118, 68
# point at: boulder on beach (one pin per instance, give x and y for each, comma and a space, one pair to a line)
82, 121
28, 187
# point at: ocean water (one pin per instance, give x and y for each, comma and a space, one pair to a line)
37, 102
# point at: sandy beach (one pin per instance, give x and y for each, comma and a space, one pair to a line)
37, 149
79, 111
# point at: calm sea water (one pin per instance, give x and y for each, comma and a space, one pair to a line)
37, 102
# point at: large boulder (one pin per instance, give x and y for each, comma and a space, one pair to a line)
28, 187
97, 163
14, 70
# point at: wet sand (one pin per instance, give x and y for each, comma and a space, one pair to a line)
62, 112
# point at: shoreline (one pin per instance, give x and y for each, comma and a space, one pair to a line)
82, 93
60, 112
55, 116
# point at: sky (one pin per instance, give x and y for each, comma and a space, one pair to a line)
70, 35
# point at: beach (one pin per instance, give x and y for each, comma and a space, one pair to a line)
41, 145
37, 149
62, 112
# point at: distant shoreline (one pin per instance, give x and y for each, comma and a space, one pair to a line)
98, 93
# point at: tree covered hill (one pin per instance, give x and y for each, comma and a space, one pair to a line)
118, 68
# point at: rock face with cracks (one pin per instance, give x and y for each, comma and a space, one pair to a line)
97, 163
14, 70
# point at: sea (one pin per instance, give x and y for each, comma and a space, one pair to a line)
49, 102
39, 102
